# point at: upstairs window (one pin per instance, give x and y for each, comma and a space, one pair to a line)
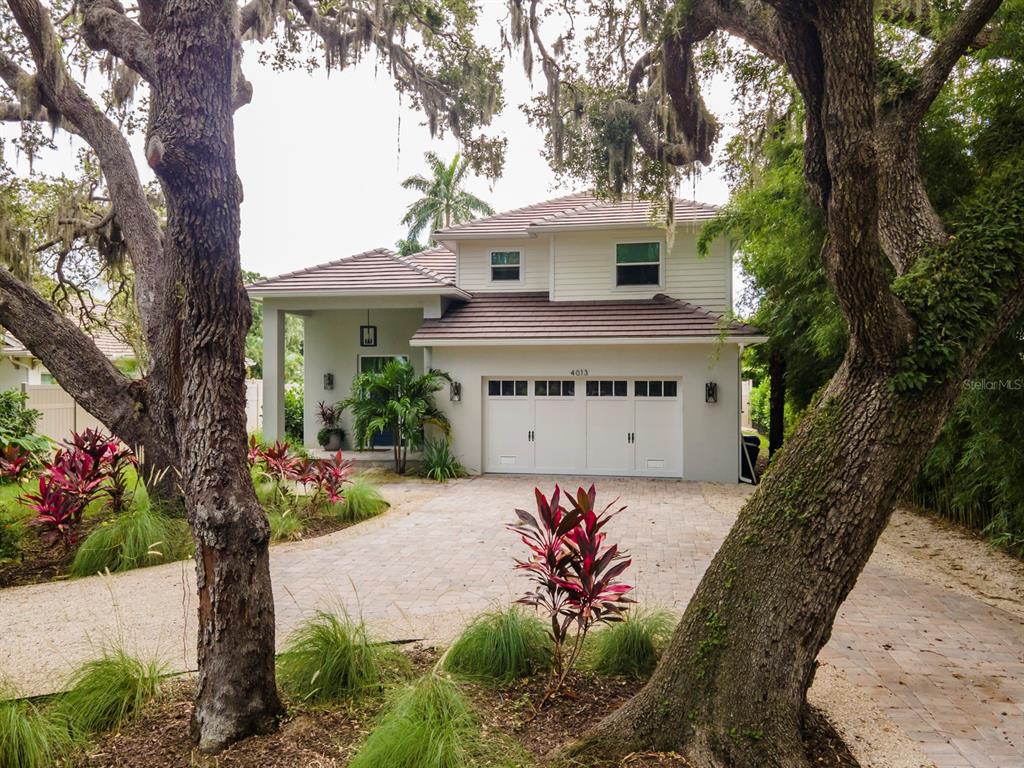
505, 266
637, 264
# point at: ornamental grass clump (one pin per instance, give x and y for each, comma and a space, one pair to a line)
29, 737
632, 646
144, 536
439, 463
500, 646
362, 500
573, 571
106, 692
429, 725
285, 525
332, 658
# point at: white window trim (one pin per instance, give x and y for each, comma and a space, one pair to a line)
661, 266
491, 265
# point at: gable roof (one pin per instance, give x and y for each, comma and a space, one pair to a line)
105, 340
380, 270
580, 210
533, 317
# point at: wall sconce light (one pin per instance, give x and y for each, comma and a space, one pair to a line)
328, 381
455, 392
711, 392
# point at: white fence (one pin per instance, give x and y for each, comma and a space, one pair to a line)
60, 415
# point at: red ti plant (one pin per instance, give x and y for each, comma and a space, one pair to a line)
57, 512
329, 478
573, 571
15, 462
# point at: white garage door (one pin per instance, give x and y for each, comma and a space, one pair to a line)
584, 426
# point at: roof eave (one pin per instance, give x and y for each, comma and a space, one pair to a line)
574, 340
516, 235
263, 293
647, 223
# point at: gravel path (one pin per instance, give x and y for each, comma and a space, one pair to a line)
923, 665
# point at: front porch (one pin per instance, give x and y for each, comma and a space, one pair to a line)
337, 346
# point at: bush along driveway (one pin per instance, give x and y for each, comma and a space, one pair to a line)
940, 663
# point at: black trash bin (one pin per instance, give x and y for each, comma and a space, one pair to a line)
749, 449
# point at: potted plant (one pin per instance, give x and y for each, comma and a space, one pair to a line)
331, 434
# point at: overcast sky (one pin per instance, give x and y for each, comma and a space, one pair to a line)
322, 159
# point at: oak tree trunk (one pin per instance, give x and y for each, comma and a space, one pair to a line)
190, 144
731, 687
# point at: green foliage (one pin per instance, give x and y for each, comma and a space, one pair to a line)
106, 692
974, 475
285, 525
11, 532
633, 646
331, 658
429, 725
362, 500
444, 201
500, 646
294, 414
779, 234
439, 463
141, 537
396, 400
18, 423
29, 737
954, 292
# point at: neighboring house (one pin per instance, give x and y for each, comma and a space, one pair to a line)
18, 366
577, 340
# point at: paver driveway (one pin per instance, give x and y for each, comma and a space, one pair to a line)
947, 668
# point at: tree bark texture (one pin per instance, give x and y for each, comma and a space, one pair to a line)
190, 145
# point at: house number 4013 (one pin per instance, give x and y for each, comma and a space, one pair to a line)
579, 372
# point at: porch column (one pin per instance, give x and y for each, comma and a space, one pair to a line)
273, 373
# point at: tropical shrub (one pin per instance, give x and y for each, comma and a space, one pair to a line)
15, 463
18, 424
363, 500
500, 646
58, 512
331, 658
428, 725
574, 572
397, 401
632, 646
106, 692
29, 737
327, 478
134, 539
294, 413
439, 463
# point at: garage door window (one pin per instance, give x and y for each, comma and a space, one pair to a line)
507, 388
557, 388
654, 388
607, 388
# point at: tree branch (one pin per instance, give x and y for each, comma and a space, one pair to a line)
919, 17
945, 55
105, 27
73, 358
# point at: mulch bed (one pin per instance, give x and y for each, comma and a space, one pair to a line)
39, 562
311, 737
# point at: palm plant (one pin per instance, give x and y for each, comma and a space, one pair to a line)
396, 400
444, 201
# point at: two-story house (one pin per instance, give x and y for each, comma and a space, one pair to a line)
578, 340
